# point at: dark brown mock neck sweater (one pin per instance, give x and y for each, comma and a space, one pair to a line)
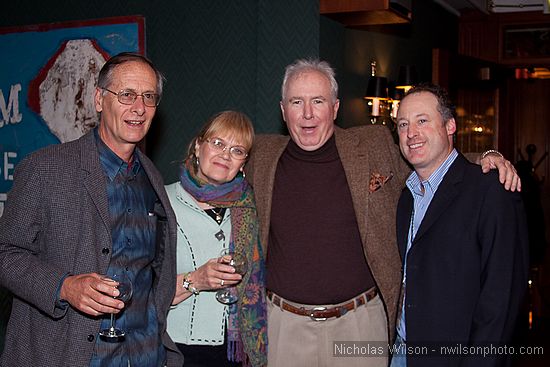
315, 253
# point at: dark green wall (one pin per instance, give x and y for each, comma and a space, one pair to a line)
215, 55
220, 54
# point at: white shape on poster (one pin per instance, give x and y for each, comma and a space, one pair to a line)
67, 92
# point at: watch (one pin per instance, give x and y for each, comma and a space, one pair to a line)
187, 284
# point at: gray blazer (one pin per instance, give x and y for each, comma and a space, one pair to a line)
56, 221
365, 152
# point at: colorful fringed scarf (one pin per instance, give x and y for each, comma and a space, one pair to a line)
247, 323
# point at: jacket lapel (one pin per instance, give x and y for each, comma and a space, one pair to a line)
94, 178
444, 196
351, 152
404, 212
266, 160
149, 168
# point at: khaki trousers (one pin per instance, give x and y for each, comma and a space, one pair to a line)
299, 341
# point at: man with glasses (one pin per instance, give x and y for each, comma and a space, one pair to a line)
78, 213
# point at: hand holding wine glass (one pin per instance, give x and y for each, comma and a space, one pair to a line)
239, 262
126, 290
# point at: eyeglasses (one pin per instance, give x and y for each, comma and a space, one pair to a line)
128, 97
236, 151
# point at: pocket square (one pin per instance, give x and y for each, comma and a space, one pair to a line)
378, 180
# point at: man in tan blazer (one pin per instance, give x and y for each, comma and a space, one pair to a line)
326, 200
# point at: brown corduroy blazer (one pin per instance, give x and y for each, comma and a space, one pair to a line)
367, 152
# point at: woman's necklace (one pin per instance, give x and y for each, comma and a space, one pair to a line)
217, 215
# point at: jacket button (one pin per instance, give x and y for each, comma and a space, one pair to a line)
105, 251
91, 338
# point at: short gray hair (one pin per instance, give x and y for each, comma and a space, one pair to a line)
304, 65
105, 77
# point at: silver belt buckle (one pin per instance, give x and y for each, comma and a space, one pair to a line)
320, 308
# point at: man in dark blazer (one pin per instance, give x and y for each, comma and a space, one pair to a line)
80, 211
326, 200
464, 243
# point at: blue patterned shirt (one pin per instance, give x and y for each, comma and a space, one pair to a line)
131, 199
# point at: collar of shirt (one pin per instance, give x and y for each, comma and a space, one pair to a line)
432, 183
112, 163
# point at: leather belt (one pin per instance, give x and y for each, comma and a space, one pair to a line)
322, 313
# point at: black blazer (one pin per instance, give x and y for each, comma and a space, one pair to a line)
467, 267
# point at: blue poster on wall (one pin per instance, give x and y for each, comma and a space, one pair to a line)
48, 75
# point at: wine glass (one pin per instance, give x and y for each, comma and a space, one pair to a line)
238, 261
125, 289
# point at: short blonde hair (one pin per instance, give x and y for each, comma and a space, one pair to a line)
234, 124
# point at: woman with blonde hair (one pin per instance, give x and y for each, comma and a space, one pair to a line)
215, 210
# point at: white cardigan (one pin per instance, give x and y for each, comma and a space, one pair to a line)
199, 320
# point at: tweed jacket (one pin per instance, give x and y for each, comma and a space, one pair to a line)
56, 221
366, 152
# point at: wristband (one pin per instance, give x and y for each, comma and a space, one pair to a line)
491, 151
